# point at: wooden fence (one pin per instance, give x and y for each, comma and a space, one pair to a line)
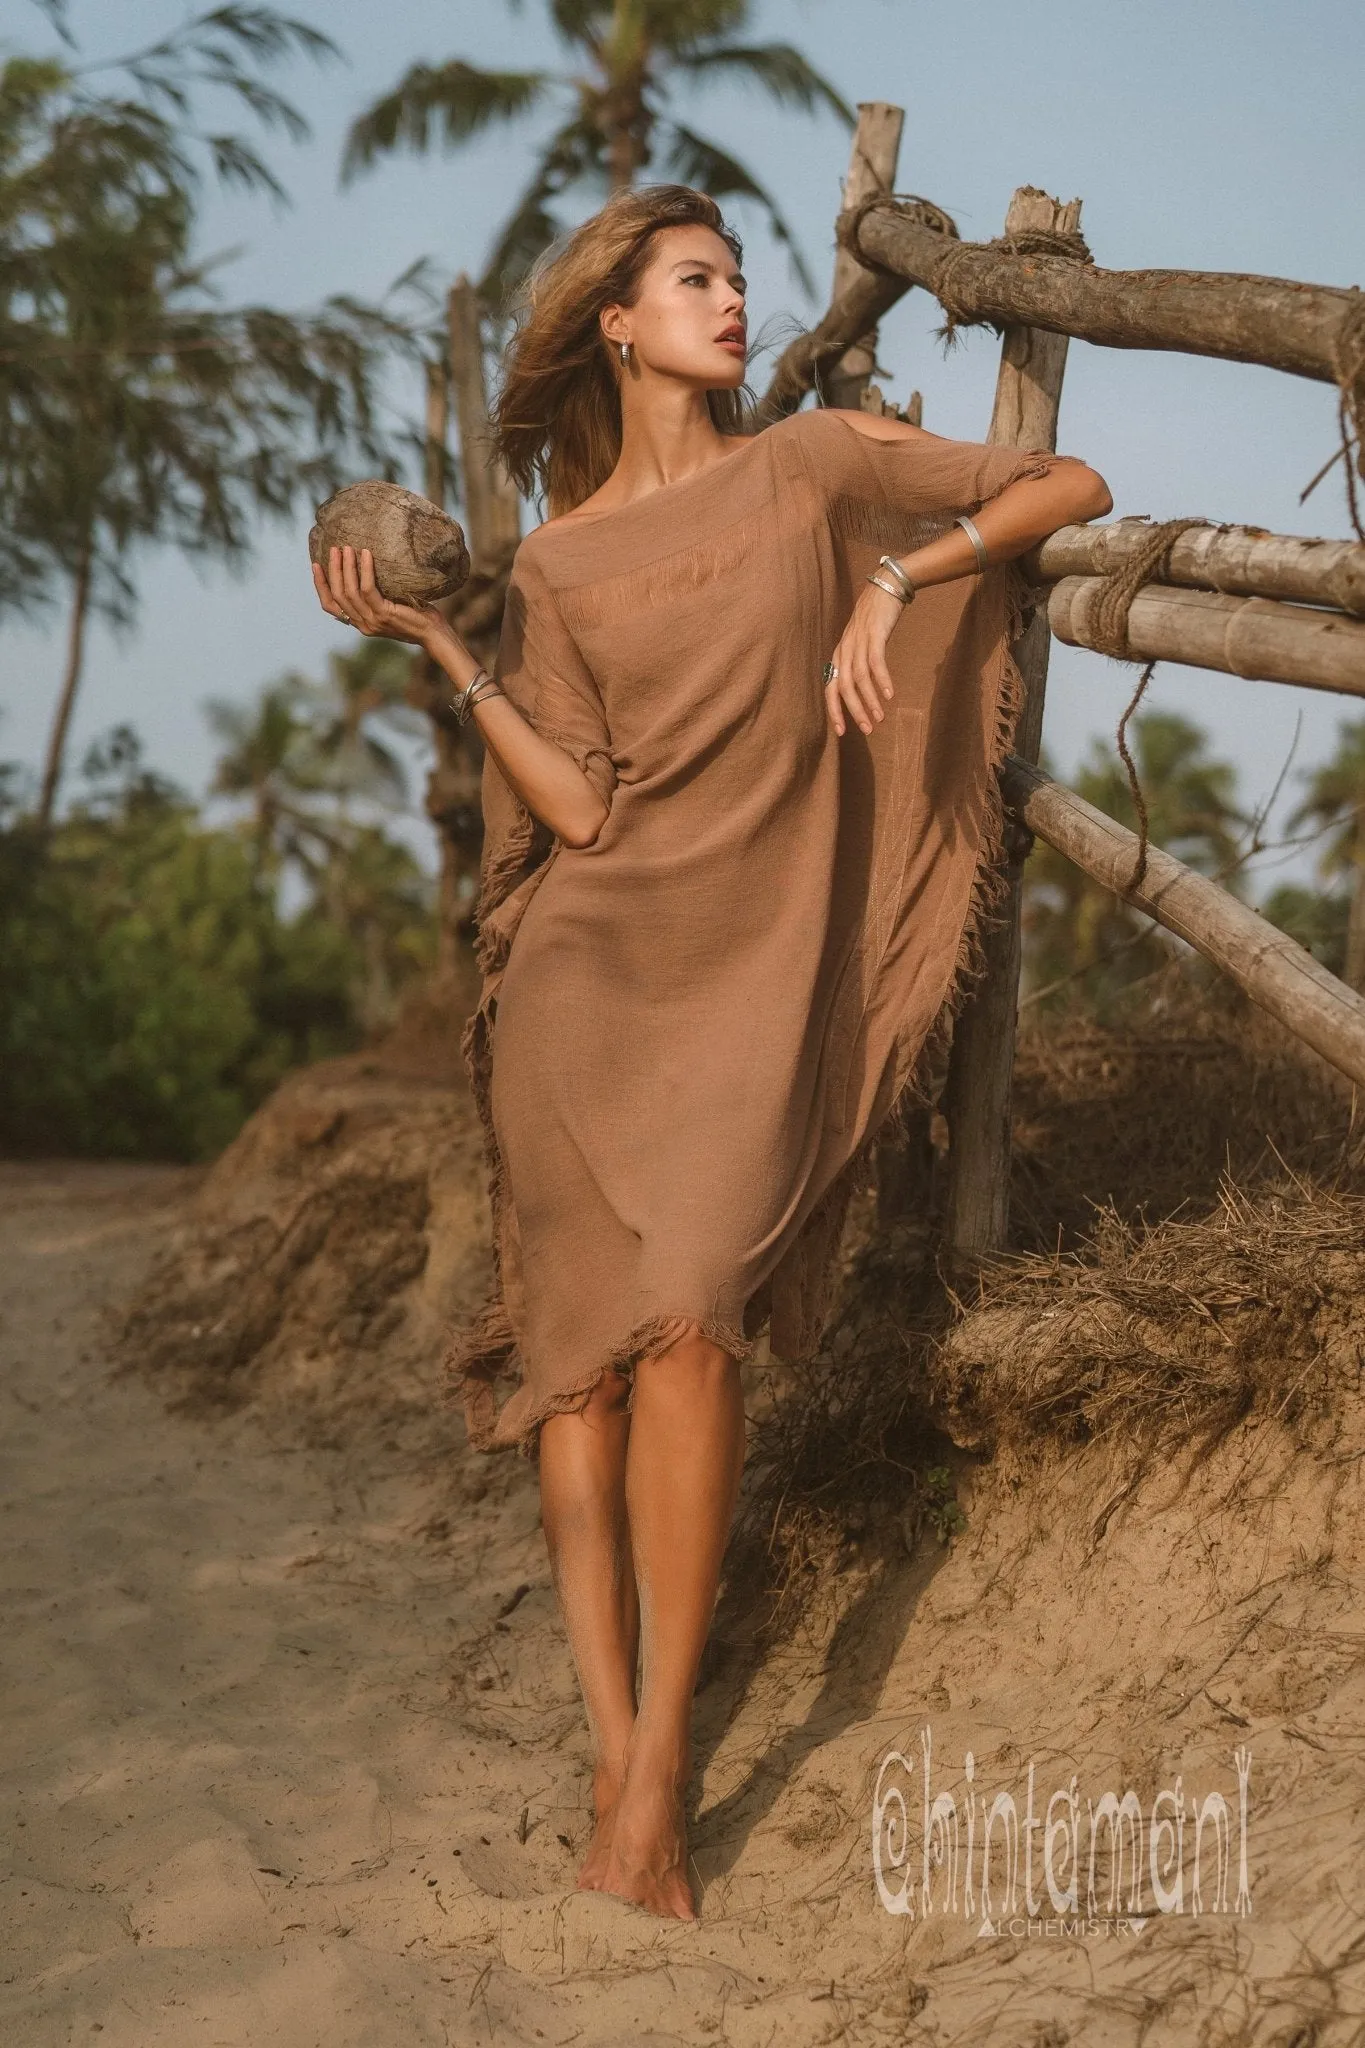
1270, 607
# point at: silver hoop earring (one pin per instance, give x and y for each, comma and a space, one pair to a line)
625, 351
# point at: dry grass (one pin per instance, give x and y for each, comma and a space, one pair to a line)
1189, 1211
1168, 1334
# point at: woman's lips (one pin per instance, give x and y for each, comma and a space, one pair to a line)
734, 343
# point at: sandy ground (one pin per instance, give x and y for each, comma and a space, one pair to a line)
293, 1752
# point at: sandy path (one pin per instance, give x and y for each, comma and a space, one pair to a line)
229, 1752
293, 1751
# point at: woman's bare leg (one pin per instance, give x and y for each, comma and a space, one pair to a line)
683, 1465
583, 1511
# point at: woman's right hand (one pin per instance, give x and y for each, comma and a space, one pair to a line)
347, 591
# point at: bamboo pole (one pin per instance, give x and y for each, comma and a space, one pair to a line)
1255, 637
1228, 314
1027, 398
1279, 975
1240, 561
871, 168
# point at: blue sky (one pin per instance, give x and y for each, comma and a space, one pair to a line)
1213, 135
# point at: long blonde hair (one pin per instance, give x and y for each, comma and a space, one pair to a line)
556, 420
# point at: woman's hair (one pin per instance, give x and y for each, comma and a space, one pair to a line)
556, 420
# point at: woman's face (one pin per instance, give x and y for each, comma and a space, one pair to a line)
689, 320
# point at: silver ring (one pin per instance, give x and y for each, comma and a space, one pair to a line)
831, 672
346, 619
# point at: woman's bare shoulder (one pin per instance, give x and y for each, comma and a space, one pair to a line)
873, 426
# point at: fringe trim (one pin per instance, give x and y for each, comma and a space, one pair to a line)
479, 1356
989, 891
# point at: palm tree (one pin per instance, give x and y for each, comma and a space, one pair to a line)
626, 56
346, 753
265, 764
1335, 803
1077, 932
132, 409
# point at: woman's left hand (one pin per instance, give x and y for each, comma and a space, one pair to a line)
863, 679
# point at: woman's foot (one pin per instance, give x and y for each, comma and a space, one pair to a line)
606, 1791
639, 1851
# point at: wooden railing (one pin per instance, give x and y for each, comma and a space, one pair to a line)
1269, 607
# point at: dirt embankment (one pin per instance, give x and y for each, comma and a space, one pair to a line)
294, 1737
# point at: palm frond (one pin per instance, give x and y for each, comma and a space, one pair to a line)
781, 71
573, 153
695, 161
445, 103
583, 24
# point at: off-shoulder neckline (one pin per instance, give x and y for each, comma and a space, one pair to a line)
569, 521
678, 483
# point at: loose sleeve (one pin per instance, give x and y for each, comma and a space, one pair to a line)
915, 486
540, 670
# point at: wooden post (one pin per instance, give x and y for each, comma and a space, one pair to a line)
1027, 397
871, 168
437, 431
492, 508
492, 514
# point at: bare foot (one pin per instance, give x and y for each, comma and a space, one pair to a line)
644, 1846
606, 1790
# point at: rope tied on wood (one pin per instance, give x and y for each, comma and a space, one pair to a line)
1107, 623
923, 211
1067, 243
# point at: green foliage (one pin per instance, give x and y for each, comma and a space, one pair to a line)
627, 56
1316, 920
1081, 941
1334, 803
154, 994
943, 1510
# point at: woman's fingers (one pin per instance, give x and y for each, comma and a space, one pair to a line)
355, 603
324, 591
860, 694
334, 583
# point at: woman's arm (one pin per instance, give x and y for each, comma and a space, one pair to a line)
1024, 513
553, 788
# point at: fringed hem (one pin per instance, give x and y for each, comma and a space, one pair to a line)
487, 1351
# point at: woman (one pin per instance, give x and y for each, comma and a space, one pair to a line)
740, 822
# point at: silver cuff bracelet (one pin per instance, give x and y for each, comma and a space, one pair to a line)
983, 560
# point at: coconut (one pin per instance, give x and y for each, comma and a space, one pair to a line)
419, 551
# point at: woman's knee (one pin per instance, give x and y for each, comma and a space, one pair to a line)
693, 1360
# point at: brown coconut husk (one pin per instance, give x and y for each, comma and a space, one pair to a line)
419, 551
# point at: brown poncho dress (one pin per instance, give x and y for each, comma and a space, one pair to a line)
690, 1031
